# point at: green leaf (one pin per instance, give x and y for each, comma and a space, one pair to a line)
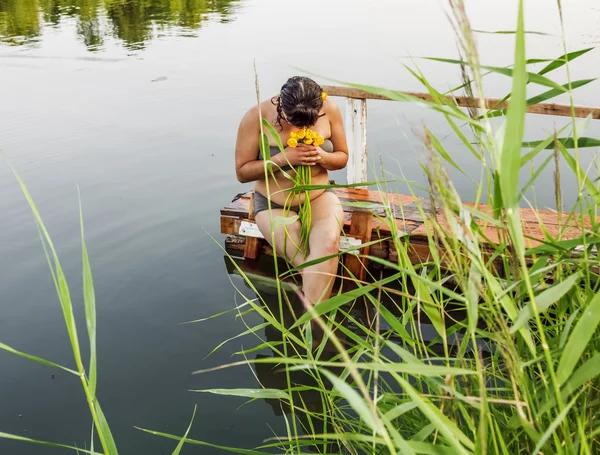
548, 95
574, 165
538, 147
46, 443
567, 142
301, 188
248, 393
510, 32
545, 300
563, 59
104, 432
534, 176
454, 436
331, 256
237, 308
582, 334
442, 151
204, 444
274, 134
554, 425
564, 245
585, 373
528, 76
280, 221
367, 415
264, 147
89, 301
510, 159
36, 359
361, 204
341, 299
177, 450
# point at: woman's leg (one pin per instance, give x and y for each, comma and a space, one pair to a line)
327, 222
284, 242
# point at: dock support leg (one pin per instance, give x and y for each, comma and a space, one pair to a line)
361, 228
253, 246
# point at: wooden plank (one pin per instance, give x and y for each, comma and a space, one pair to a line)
236, 243
560, 110
361, 227
253, 244
356, 135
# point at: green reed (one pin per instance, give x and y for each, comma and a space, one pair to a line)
514, 362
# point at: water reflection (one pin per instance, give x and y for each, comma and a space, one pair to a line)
135, 22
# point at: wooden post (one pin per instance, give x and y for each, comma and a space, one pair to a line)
356, 134
253, 246
361, 227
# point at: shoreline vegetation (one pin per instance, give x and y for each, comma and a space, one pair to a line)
509, 364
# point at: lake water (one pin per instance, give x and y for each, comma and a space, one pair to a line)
136, 103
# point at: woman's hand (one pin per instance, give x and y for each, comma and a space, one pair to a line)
301, 155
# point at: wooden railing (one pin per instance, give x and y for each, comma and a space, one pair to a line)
356, 119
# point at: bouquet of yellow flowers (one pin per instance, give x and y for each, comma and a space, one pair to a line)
303, 177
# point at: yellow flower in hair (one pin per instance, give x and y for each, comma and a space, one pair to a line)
292, 142
308, 141
324, 95
301, 134
293, 135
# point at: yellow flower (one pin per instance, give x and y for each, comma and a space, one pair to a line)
293, 135
324, 95
310, 134
292, 142
308, 141
319, 141
301, 134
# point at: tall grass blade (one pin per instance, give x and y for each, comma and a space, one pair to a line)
528, 76
248, 393
89, 300
545, 300
104, 431
177, 450
7, 348
205, 444
554, 425
46, 443
567, 142
564, 59
580, 337
357, 402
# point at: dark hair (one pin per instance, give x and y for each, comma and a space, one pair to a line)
301, 100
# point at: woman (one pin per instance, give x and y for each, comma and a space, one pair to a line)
300, 104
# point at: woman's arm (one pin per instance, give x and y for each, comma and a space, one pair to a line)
248, 167
339, 157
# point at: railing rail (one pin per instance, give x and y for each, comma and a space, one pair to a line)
356, 119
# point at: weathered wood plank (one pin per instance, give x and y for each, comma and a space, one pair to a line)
361, 227
560, 110
356, 135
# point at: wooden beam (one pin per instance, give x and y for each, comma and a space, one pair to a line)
356, 135
361, 228
560, 110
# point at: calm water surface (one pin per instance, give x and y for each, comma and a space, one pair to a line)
136, 103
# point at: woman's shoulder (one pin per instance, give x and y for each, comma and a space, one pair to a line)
332, 109
253, 114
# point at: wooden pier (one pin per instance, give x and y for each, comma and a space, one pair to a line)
364, 225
